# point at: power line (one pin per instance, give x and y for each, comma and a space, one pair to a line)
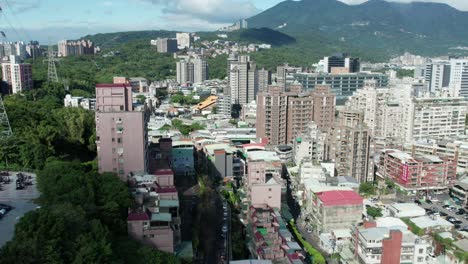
11, 25
18, 20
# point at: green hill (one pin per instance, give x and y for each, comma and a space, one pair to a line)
377, 26
118, 38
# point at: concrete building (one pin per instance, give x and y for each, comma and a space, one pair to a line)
408, 210
243, 80
17, 75
139, 84
335, 209
200, 70
342, 85
264, 79
309, 145
73, 48
419, 172
183, 158
341, 61
348, 144
184, 40
460, 192
459, 77
155, 219
452, 148
324, 103
284, 116
166, 45
285, 75
185, 71
34, 50
389, 243
121, 131
434, 118
437, 75
263, 183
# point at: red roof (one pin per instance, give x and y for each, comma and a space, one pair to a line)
138, 216
160, 172
110, 85
166, 190
293, 256
338, 198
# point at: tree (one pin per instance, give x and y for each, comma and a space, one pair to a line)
366, 189
141, 99
374, 212
214, 110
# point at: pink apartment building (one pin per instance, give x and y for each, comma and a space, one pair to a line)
263, 185
121, 131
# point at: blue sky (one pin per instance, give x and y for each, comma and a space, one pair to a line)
66, 19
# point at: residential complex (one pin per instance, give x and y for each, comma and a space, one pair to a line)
243, 80
417, 172
283, 116
348, 144
165, 45
340, 63
121, 131
17, 75
459, 77
192, 71
72, 48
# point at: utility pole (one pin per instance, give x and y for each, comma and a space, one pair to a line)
5, 128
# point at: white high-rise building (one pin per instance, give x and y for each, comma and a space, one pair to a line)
243, 80
459, 77
200, 70
184, 40
437, 75
18, 75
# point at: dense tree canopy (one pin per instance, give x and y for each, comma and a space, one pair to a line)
82, 220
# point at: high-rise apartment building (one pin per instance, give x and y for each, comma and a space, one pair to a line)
284, 116
348, 144
80, 47
33, 49
437, 75
459, 77
243, 80
17, 75
200, 70
285, 75
121, 131
436, 117
264, 79
184, 40
192, 71
324, 102
166, 45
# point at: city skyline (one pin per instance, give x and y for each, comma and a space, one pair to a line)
57, 20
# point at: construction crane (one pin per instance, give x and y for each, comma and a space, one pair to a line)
5, 128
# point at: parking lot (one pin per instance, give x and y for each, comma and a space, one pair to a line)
447, 214
21, 202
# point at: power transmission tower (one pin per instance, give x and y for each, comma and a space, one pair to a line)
52, 70
5, 128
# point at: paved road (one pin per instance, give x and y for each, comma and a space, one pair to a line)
21, 201
439, 208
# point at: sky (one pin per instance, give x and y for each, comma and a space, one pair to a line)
54, 20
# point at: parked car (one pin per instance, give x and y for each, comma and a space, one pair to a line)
224, 229
417, 202
446, 206
428, 201
442, 214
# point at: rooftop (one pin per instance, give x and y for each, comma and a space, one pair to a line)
162, 217
338, 198
111, 85
374, 233
427, 222
263, 156
137, 216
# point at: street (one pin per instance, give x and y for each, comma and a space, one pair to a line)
20, 200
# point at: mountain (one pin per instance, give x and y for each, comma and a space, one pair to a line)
261, 35
388, 27
118, 38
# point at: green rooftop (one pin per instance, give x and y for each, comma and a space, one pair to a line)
169, 203
163, 217
262, 231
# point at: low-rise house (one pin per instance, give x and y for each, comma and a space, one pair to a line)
401, 210
432, 224
389, 242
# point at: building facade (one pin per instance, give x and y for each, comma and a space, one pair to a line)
243, 80
184, 40
121, 131
459, 77
166, 45
72, 48
17, 75
348, 144
418, 172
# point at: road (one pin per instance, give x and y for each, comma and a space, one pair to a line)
21, 201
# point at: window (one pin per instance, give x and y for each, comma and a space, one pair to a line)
421, 250
269, 189
420, 259
151, 235
119, 140
269, 197
113, 139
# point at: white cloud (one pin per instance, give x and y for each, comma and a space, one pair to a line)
213, 11
459, 4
